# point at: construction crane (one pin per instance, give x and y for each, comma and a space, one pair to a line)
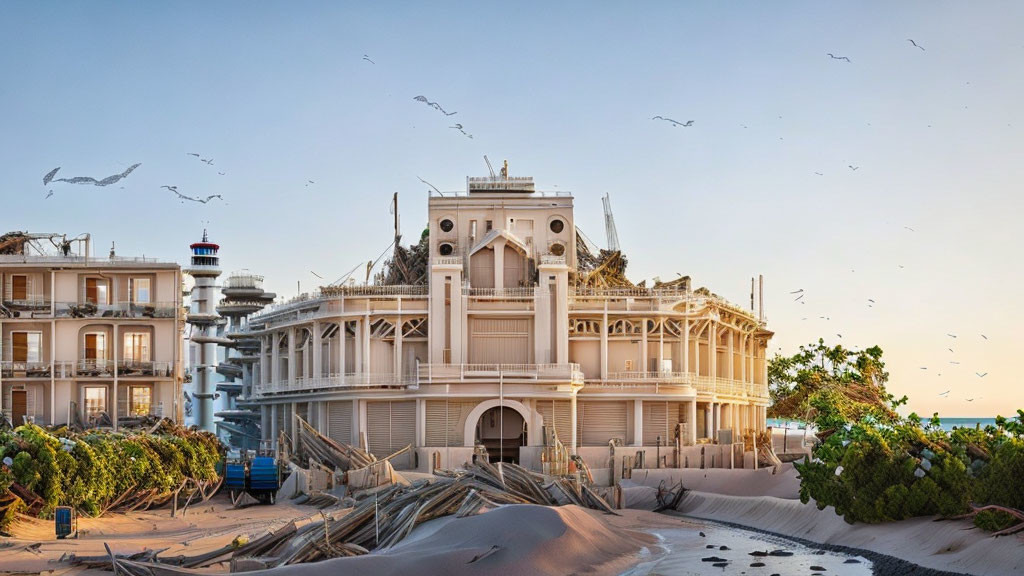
609, 225
489, 167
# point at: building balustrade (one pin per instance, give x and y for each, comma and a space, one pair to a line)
517, 292
513, 373
334, 382
12, 369
129, 368
702, 384
118, 310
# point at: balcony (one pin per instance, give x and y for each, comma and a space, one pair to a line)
135, 368
11, 369
95, 368
333, 382
25, 308
518, 293
119, 310
510, 373
703, 385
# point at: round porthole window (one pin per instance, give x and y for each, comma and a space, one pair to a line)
447, 225
558, 249
557, 226
446, 249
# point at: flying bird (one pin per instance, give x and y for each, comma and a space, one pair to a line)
953, 362
834, 57
924, 367
49, 175
89, 180
317, 275
819, 173
973, 399
915, 44
798, 298
192, 154
946, 393
854, 168
434, 105
208, 161
221, 173
951, 335
908, 228
951, 350
48, 195
310, 181
367, 58
183, 197
870, 300
980, 375
985, 337
674, 122
797, 291
838, 334
459, 128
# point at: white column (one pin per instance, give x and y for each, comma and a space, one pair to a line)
292, 368
562, 315
730, 354
398, 349
572, 423
342, 340
713, 351
421, 422
366, 344
691, 421
686, 345
604, 343
275, 358
358, 338
638, 423
643, 348
118, 351
708, 420
318, 353
273, 426
717, 417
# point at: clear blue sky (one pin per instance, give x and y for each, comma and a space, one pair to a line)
279, 93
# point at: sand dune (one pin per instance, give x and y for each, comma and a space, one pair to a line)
954, 546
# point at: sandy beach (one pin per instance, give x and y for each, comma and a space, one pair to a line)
722, 526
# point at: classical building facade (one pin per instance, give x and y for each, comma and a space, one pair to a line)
89, 341
503, 339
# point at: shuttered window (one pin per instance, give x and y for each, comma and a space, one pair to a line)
446, 421
557, 413
481, 269
599, 422
339, 421
390, 426
660, 419
500, 341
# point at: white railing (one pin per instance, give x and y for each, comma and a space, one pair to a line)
11, 369
59, 259
143, 368
702, 384
552, 259
448, 261
517, 292
97, 368
334, 382
635, 292
428, 373
118, 310
33, 304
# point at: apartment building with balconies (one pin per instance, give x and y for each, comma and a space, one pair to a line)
84, 337
504, 342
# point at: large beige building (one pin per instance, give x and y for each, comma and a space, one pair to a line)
504, 337
87, 336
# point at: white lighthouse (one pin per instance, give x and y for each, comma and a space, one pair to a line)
204, 268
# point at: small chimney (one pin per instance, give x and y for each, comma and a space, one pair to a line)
760, 297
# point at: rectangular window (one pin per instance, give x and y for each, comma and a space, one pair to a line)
96, 291
95, 400
138, 290
27, 346
136, 347
95, 346
142, 400
19, 287
490, 225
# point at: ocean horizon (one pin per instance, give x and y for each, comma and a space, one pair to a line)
947, 423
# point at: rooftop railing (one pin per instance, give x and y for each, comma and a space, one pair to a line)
57, 259
13, 369
517, 292
702, 384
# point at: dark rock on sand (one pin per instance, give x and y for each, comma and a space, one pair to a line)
724, 548
713, 559
818, 568
756, 564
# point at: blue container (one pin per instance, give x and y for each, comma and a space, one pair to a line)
63, 518
264, 475
234, 478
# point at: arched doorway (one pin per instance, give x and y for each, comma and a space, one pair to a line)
502, 431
